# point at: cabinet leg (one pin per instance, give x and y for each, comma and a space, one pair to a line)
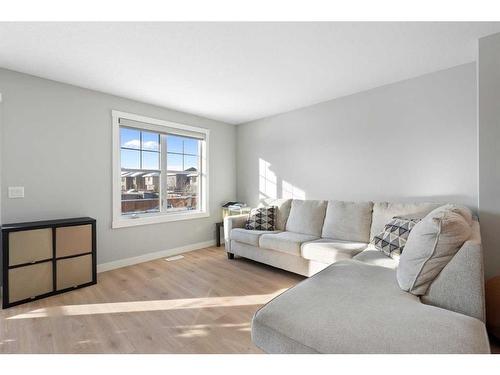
230, 256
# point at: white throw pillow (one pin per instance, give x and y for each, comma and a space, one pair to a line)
431, 244
306, 217
348, 221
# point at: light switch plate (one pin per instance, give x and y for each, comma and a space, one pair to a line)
16, 191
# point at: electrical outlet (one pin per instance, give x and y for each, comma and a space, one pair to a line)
16, 191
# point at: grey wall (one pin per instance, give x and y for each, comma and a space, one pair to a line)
412, 140
57, 144
489, 150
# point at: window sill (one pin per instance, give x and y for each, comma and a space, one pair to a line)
124, 222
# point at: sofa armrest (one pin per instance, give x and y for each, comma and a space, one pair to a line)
230, 222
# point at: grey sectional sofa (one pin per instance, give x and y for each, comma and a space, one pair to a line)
352, 302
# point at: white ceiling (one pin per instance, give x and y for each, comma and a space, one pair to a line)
236, 72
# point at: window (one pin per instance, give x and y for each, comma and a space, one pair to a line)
159, 171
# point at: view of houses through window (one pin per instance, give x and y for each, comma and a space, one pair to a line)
159, 172
183, 166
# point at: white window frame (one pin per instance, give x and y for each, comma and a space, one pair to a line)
121, 221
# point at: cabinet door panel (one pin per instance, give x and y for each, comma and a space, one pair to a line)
73, 240
30, 281
75, 271
28, 246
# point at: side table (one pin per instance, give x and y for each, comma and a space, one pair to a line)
218, 226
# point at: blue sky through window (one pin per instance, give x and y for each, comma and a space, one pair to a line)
182, 145
174, 162
150, 141
130, 159
150, 160
182, 152
130, 138
135, 155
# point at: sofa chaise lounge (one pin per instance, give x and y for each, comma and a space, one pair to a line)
352, 302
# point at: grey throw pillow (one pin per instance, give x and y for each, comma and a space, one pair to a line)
261, 218
392, 240
431, 244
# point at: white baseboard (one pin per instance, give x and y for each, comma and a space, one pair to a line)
152, 256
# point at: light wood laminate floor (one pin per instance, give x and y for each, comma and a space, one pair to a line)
202, 303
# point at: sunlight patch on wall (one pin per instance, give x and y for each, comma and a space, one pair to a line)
288, 191
268, 182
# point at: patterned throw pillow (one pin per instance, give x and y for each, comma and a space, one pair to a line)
261, 218
393, 239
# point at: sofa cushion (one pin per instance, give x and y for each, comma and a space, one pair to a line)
391, 241
374, 257
351, 307
459, 286
383, 212
432, 243
261, 218
250, 237
348, 221
286, 242
328, 250
306, 217
283, 210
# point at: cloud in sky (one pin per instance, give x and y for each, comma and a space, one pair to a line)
146, 145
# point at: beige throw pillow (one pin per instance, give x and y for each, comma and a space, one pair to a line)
432, 243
